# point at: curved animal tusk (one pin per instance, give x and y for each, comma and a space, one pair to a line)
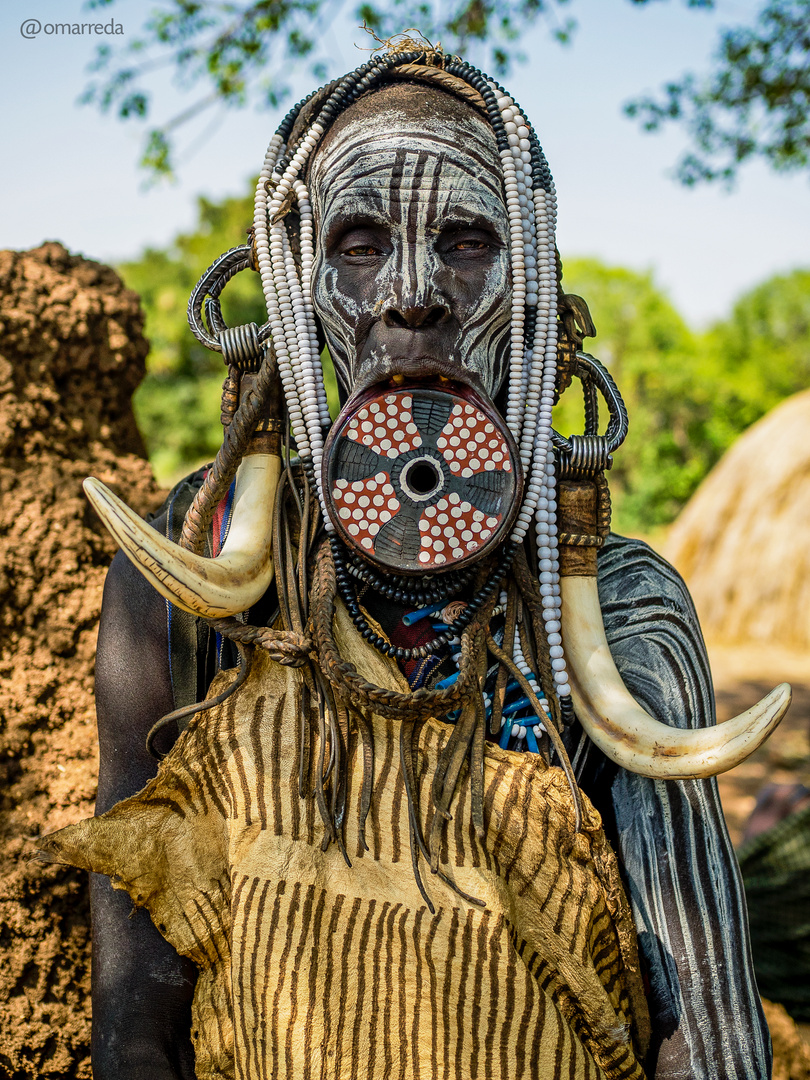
214, 588
624, 731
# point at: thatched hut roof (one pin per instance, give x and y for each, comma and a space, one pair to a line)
743, 541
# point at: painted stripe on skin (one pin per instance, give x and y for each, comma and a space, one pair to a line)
678, 864
441, 177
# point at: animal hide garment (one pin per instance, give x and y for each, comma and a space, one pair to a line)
311, 968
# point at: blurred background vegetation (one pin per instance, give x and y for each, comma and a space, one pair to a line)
689, 393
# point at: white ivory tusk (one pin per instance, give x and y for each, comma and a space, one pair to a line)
624, 731
214, 588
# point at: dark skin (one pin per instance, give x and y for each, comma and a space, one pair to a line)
142, 988
414, 340
409, 271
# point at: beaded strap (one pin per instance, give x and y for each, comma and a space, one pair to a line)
482, 595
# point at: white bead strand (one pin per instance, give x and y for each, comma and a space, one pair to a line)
292, 322
514, 407
260, 236
277, 296
536, 434
310, 374
515, 175
298, 338
307, 241
268, 251
285, 340
546, 517
526, 397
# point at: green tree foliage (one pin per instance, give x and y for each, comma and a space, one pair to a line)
689, 395
753, 102
243, 51
764, 347
656, 360
177, 406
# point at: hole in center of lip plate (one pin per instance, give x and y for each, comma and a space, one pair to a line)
421, 479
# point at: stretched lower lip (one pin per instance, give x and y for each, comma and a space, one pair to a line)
426, 473
421, 371
399, 381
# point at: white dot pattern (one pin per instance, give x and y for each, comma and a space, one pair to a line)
386, 426
470, 443
364, 506
452, 530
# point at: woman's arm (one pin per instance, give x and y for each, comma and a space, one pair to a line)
142, 988
678, 865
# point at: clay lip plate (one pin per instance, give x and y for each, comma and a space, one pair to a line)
421, 478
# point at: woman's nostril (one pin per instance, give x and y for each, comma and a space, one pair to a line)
437, 314
395, 318
416, 318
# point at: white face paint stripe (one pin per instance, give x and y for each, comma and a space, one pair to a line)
340, 158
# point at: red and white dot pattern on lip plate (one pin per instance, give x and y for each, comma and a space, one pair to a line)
386, 427
470, 443
364, 506
453, 529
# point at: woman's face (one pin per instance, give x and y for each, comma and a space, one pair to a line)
412, 272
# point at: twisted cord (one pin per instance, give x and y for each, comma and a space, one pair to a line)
444, 79
351, 688
286, 647
229, 456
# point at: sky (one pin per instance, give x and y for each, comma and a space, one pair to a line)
70, 173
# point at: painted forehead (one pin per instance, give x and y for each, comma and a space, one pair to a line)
389, 158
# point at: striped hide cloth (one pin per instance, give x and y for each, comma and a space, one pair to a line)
311, 968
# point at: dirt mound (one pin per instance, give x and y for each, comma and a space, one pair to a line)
743, 540
71, 353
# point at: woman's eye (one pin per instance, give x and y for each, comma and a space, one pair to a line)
469, 245
362, 249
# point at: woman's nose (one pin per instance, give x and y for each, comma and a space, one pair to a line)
417, 316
